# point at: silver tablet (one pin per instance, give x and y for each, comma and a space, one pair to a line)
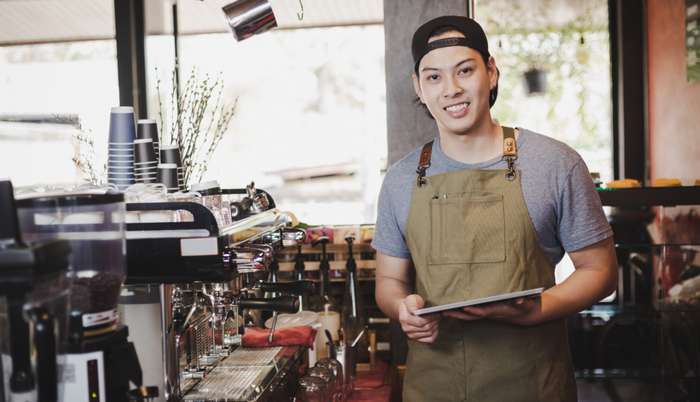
482, 300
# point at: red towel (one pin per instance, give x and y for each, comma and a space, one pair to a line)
290, 336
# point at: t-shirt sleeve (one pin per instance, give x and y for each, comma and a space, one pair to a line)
582, 221
388, 238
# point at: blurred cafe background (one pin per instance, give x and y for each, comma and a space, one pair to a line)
218, 249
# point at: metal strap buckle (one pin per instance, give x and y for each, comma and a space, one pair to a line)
510, 151
510, 174
420, 180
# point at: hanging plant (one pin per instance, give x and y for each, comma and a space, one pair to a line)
535, 81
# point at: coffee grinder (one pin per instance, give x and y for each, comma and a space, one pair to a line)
99, 363
33, 298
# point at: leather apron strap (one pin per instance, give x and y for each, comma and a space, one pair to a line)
424, 162
510, 154
510, 151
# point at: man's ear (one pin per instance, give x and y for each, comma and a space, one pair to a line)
416, 87
493, 72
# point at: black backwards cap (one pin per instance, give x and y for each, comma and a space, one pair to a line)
474, 37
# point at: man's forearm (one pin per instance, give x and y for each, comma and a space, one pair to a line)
594, 278
389, 292
582, 289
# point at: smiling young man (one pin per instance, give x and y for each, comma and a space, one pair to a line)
483, 210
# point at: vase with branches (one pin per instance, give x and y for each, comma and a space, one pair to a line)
195, 117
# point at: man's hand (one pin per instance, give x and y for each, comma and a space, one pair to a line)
422, 329
517, 311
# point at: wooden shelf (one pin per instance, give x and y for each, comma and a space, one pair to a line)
338, 252
335, 265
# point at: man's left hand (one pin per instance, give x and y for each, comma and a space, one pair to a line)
515, 312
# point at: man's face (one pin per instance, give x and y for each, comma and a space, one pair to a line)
454, 83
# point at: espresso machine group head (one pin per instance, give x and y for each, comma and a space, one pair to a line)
213, 279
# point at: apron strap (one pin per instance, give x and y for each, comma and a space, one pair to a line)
510, 151
424, 163
510, 154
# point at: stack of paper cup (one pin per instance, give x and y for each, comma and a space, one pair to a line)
171, 154
148, 128
167, 174
120, 151
145, 163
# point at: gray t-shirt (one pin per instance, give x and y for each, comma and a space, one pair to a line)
559, 194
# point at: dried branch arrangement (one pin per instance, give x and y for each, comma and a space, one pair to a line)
84, 158
195, 120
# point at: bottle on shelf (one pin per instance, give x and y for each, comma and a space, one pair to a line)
299, 268
324, 267
353, 303
353, 313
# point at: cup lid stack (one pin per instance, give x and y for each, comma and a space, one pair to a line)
207, 188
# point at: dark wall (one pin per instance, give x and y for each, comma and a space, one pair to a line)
407, 124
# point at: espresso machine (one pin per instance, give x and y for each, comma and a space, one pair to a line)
195, 283
95, 360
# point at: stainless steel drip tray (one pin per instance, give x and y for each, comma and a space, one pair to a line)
232, 384
240, 377
250, 357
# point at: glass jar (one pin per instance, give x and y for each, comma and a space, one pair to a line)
327, 376
311, 389
337, 369
94, 225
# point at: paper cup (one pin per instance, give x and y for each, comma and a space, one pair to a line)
143, 151
148, 128
170, 154
122, 128
167, 174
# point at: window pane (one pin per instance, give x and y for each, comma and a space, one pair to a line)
310, 125
569, 43
58, 87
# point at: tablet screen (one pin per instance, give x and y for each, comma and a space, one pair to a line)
480, 301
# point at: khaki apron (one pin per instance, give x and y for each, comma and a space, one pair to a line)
470, 235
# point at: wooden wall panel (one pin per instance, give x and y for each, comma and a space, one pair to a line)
674, 103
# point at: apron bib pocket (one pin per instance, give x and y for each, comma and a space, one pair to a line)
467, 228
